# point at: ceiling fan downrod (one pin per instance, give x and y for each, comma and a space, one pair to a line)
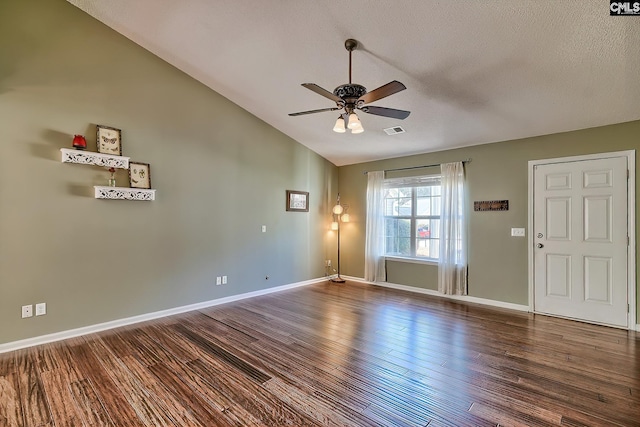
350, 45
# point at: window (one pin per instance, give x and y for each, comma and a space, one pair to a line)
412, 217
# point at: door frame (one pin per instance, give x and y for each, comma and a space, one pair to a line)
631, 225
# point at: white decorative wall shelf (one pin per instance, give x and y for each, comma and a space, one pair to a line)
92, 158
124, 193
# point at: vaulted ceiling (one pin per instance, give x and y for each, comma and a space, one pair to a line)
476, 71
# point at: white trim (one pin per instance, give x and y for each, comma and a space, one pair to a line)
631, 223
412, 260
638, 327
58, 336
463, 298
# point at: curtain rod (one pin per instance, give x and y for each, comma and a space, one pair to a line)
419, 167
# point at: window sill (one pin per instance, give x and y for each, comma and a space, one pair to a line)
412, 260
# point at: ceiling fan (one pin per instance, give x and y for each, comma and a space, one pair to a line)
351, 97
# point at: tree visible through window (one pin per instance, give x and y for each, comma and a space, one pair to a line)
412, 218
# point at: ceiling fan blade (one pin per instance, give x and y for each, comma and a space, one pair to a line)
382, 92
320, 91
387, 112
302, 113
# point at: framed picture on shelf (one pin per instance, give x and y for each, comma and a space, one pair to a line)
109, 140
297, 201
139, 175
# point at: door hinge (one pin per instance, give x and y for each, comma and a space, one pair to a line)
627, 173
628, 308
627, 240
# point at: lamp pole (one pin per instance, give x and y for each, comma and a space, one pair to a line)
338, 279
337, 211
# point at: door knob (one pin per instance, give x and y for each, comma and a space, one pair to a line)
540, 236
540, 245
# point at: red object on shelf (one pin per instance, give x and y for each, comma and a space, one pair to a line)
79, 143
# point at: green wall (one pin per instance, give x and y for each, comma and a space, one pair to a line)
220, 173
497, 261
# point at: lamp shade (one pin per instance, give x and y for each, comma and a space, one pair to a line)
345, 217
339, 127
354, 121
358, 130
337, 209
334, 225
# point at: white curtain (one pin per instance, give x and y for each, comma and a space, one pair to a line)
374, 261
452, 263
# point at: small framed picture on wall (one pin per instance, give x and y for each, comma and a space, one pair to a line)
297, 201
109, 140
139, 175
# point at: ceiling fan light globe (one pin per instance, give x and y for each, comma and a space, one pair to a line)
354, 121
357, 130
339, 127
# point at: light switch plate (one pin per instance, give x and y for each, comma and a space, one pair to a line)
41, 309
517, 232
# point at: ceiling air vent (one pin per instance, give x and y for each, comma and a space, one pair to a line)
394, 130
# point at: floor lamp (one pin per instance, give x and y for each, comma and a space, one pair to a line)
339, 215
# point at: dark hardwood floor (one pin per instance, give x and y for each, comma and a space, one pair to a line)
336, 355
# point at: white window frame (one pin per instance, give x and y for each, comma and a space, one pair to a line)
413, 183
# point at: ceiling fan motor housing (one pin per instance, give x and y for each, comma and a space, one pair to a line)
349, 91
349, 94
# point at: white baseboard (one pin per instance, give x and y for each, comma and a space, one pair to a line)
464, 298
467, 298
58, 336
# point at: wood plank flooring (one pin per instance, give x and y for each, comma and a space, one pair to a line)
331, 355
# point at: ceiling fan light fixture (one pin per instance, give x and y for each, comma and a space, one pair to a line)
339, 127
351, 97
354, 121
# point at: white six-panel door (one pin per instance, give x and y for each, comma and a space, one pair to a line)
580, 240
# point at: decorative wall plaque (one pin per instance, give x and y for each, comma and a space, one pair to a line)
491, 205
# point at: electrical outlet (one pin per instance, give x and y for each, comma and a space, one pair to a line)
264, 228
218, 280
27, 311
327, 263
41, 309
224, 280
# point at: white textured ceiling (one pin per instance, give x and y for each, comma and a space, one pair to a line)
476, 71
